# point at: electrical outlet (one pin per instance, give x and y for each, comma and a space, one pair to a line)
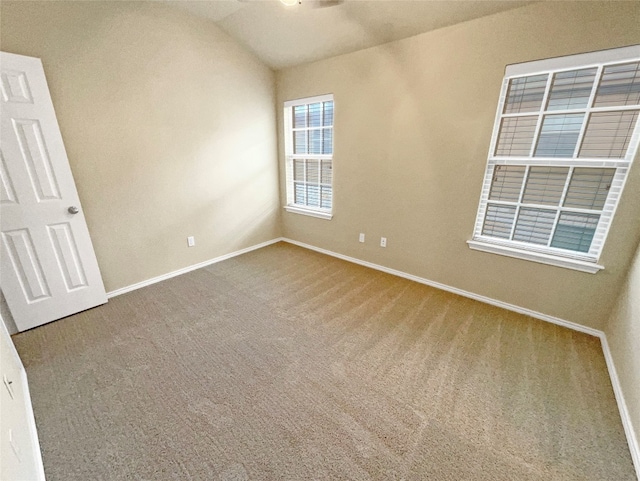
383, 242
191, 241
361, 237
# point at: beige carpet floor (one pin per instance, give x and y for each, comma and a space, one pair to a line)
285, 364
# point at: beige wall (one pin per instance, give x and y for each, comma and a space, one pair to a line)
169, 128
623, 335
170, 132
412, 131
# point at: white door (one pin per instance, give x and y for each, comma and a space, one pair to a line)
48, 266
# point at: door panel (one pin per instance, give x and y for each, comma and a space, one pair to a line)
26, 265
7, 192
67, 255
49, 269
15, 87
36, 160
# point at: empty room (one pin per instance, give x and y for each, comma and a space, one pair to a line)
320, 240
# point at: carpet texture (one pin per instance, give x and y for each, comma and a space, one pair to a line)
285, 364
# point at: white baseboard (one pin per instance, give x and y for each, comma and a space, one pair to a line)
455, 290
193, 267
632, 439
617, 389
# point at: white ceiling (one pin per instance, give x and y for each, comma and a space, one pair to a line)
284, 36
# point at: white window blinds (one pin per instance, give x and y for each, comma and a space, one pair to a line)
309, 155
563, 141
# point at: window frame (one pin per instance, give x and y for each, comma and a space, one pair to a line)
290, 157
586, 262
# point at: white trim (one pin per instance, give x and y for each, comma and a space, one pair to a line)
632, 439
455, 290
576, 110
309, 100
32, 427
550, 68
551, 260
312, 156
540, 114
184, 270
14, 353
291, 157
569, 62
33, 431
549, 162
313, 213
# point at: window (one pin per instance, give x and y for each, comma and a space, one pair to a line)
564, 138
308, 125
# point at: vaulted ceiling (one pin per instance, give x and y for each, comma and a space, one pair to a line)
283, 36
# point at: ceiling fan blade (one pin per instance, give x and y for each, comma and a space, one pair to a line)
326, 3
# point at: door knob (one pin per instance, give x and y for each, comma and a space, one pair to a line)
73, 210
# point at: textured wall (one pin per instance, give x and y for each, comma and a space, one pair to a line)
169, 128
623, 335
412, 130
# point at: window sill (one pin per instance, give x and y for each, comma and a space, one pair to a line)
565, 262
313, 213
